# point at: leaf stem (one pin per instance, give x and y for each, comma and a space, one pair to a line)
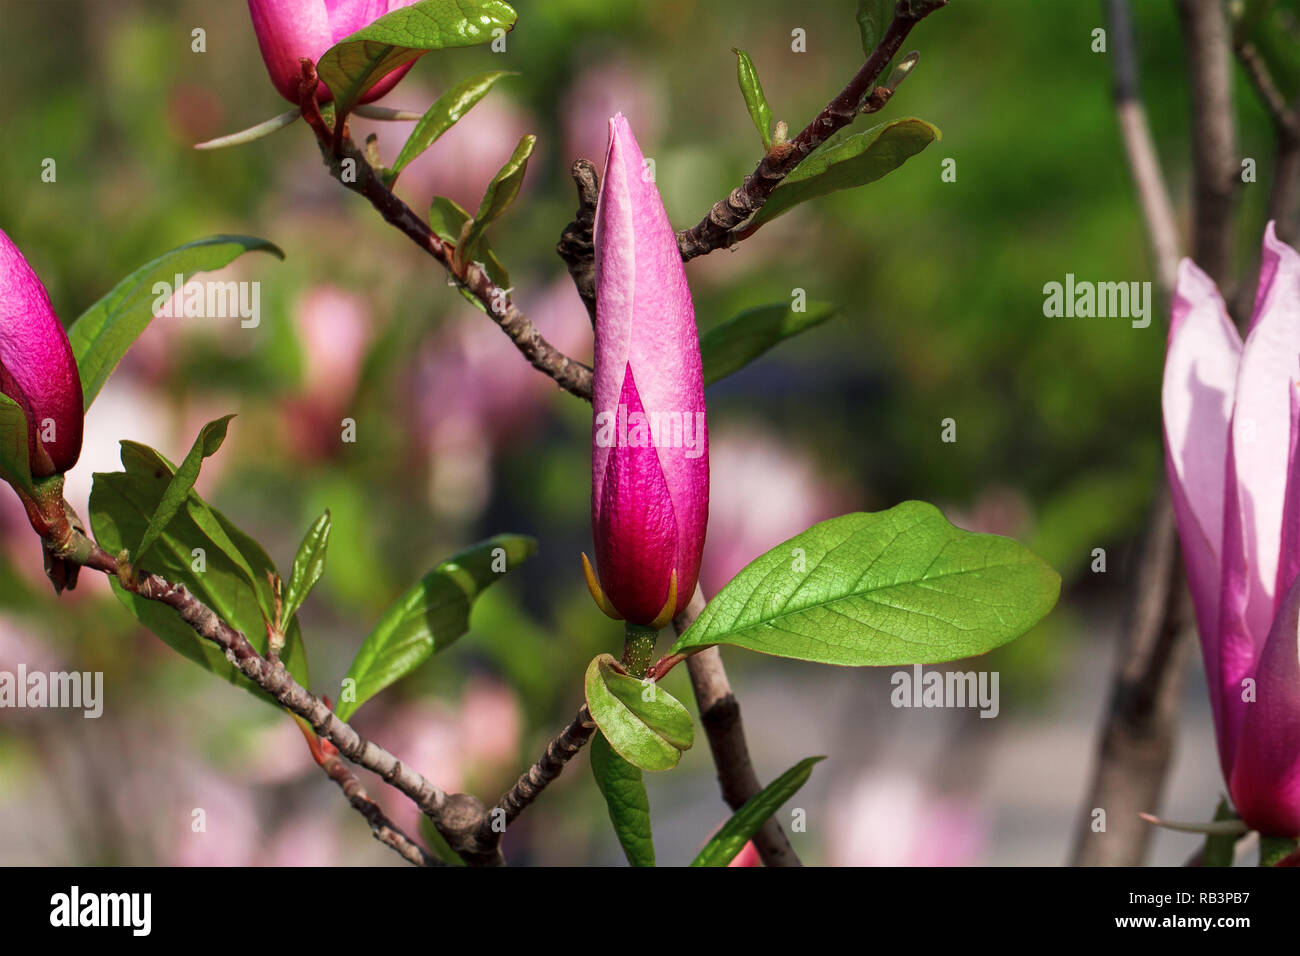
638, 649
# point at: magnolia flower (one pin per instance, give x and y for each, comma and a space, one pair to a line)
649, 462
288, 30
1232, 426
37, 369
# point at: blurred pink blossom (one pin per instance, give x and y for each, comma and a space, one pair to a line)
884, 819
599, 92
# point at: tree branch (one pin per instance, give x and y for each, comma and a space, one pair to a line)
720, 716
349, 166
576, 246
716, 230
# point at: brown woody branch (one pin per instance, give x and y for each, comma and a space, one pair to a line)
717, 229
576, 246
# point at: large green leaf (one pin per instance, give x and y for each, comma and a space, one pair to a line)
430, 616
901, 586
229, 576
356, 63
103, 333
15, 456
745, 822
308, 565
178, 489
853, 161
498, 196
729, 347
752, 90
443, 115
447, 219
645, 724
621, 785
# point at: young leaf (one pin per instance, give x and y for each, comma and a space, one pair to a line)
621, 785
745, 822
642, 722
356, 63
755, 101
308, 565
103, 333
853, 161
873, 19
501, 192
901, 586
430, 616
442, 116
215, 561
729, 347
15, 456
447, 220
178, 489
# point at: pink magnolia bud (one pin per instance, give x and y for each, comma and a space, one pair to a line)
288, 30
37, 369
649, 463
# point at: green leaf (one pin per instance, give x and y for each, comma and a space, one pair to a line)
178, 489
356, 63
430, 616
447, 219
745, 822
228, 576
103, 333
1274, 849
755, 101
729, 347
853, 161
1221, 849
621, 785
645, 724
901, 586
443, 115
15, 455
501, 192
873, 19
308, 565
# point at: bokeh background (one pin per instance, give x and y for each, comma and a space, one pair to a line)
938, 287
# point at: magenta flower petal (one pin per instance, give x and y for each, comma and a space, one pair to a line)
1265, 780
1199, 381
37, 369
288, 30
646, 340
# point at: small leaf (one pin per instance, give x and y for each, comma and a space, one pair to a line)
621, 785
103, 333
873, 19
178, 489
745, 822
15, 455
253, 133
447, 220
430, 616
729, 347
356, 63
853, 161
227, 573
1221, 849
442, 116
645, 724
901, 586
501, 192
308, 565
755, 101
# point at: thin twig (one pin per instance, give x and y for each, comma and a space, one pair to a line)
384, 830
563, 748
720, 717
1284, 116
349, 166
576, 246
716, 230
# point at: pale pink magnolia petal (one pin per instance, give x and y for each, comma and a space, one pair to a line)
1196, 397
1259, 457
1289, 558
1265, 781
